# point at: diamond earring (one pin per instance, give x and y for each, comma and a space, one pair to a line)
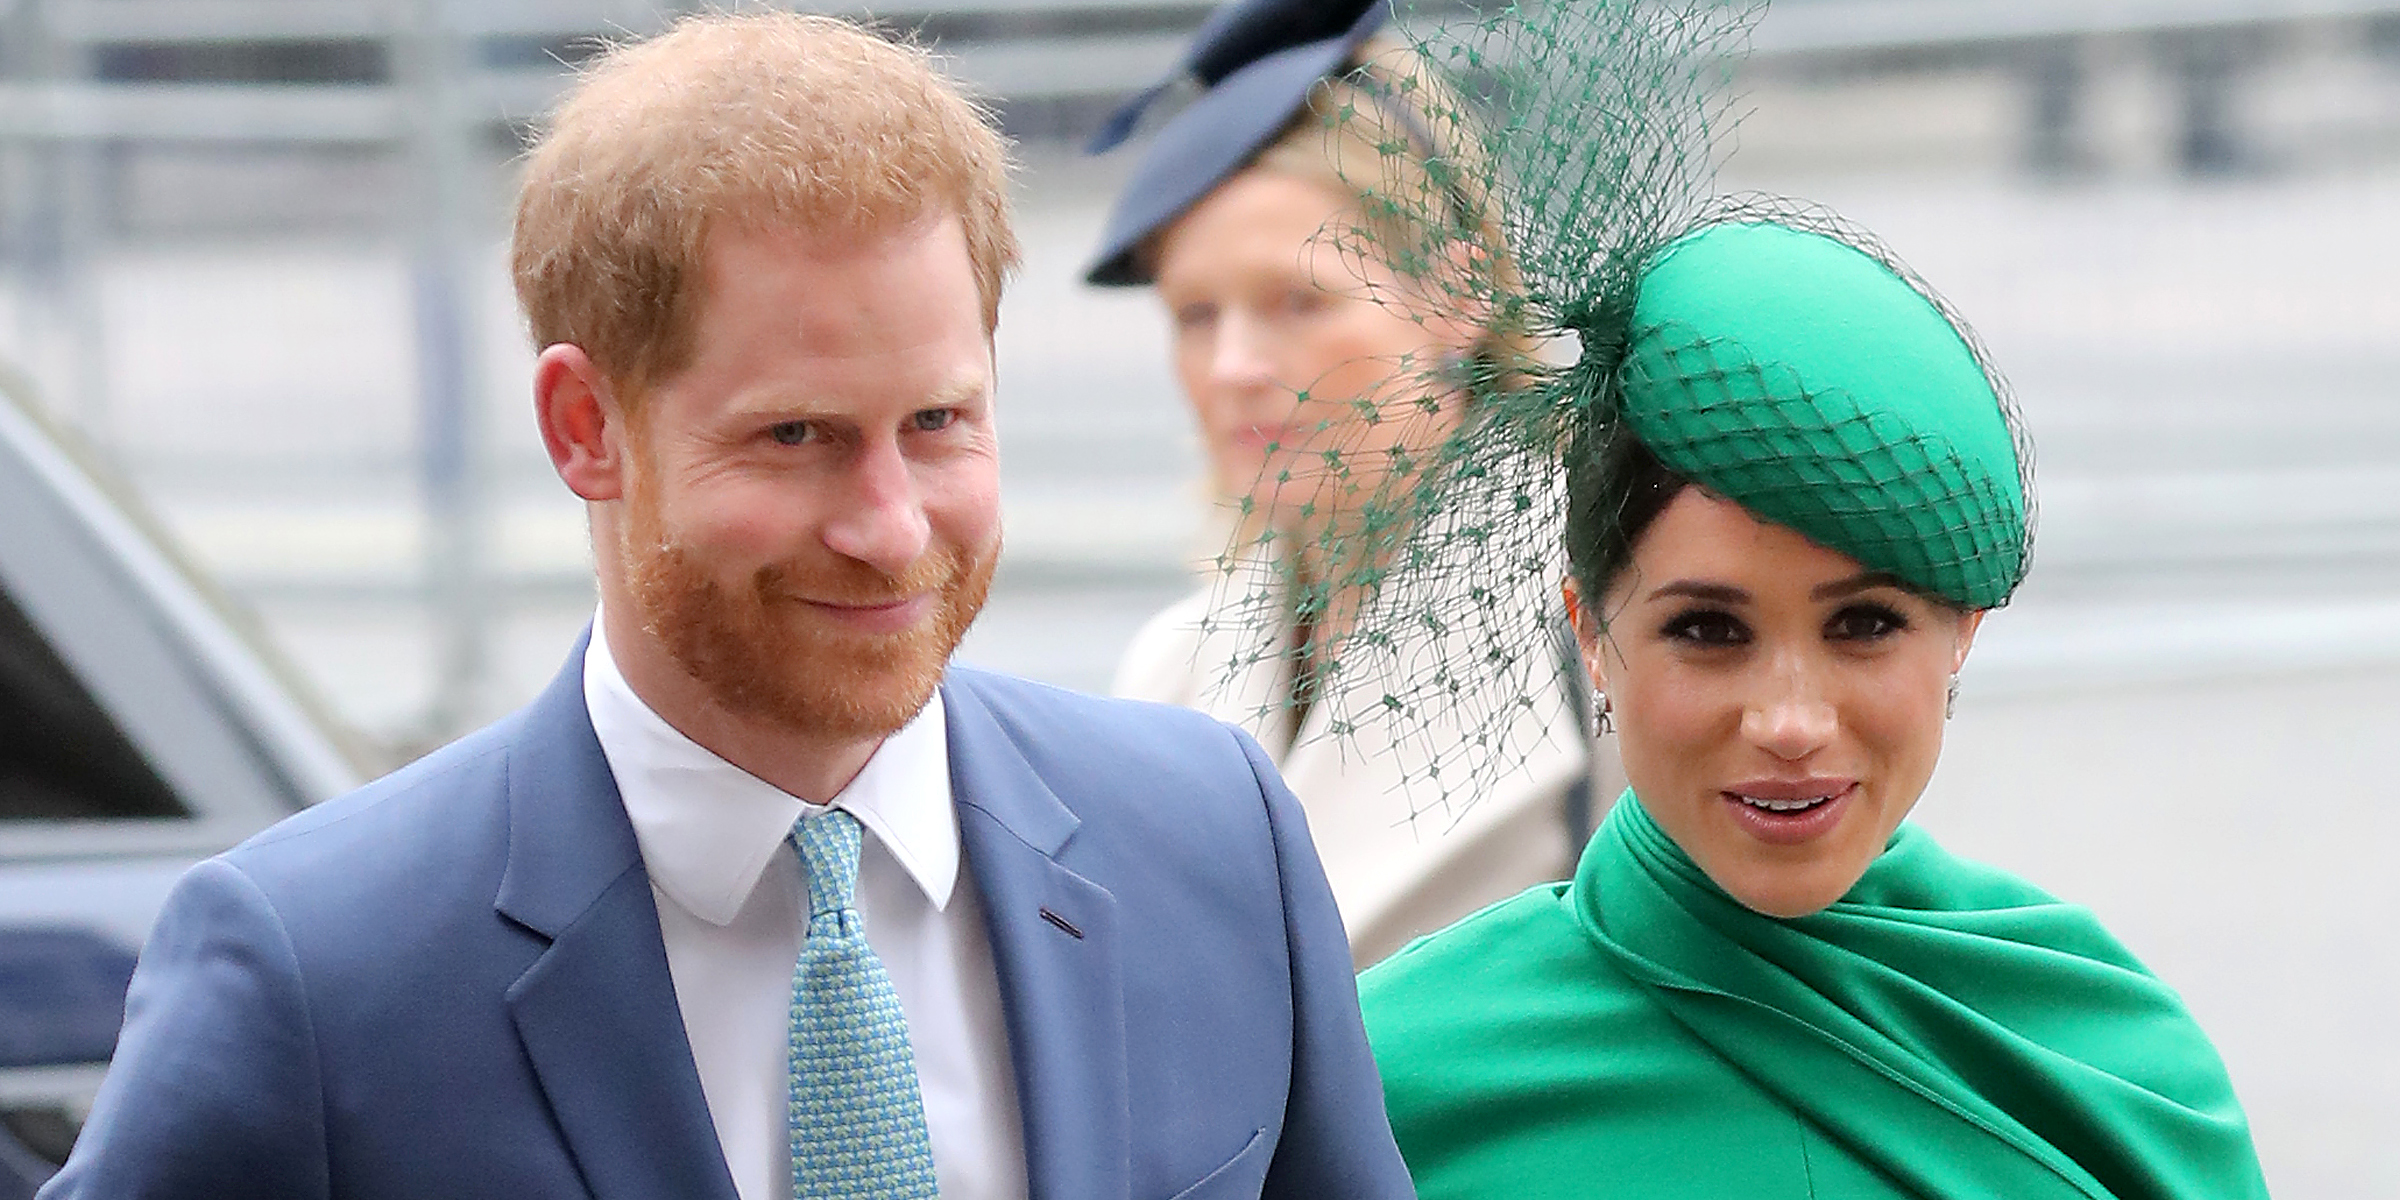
1950, 706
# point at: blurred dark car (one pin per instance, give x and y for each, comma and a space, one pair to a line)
139, 733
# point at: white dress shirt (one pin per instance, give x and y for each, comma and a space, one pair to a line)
730, 906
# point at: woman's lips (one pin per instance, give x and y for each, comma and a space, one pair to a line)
1259, 437
1788, 812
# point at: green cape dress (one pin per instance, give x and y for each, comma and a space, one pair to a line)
1946, 1030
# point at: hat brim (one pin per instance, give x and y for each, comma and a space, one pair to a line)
1204, 146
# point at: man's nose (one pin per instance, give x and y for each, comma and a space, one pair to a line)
1792, 716
881, 521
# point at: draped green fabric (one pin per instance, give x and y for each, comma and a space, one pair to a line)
1946, 1030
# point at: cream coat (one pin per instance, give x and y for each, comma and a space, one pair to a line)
1394, 876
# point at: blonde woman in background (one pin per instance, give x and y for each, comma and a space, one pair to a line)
1295, 350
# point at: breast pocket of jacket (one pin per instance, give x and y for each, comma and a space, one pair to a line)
1243, 1175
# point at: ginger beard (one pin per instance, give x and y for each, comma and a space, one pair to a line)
764, 652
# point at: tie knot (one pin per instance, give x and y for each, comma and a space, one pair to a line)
828, 844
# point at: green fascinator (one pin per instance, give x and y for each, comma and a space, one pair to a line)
1554, 187
1802, 378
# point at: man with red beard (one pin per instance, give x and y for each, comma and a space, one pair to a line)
761, 899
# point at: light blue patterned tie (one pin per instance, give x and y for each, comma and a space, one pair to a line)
858, 1121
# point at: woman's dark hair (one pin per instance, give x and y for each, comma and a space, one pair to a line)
1615, 489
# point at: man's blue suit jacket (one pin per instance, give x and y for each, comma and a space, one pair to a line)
451, 984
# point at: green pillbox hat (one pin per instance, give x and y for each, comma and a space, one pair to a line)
1805, 380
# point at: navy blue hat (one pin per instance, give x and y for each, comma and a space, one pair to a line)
1258, 59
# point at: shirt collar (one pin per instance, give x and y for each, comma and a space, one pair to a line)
708, 829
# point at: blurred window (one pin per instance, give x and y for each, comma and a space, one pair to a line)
61, 755
311, 61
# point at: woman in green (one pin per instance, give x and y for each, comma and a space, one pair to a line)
1790, 489
1802, 495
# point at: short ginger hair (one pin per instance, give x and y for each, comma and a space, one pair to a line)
761, 121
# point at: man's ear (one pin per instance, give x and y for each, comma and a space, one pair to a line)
582, 424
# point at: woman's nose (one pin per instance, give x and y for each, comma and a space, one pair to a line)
1792, 717
1239, 358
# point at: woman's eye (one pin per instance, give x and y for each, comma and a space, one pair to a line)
933, 420
1195, 316
1707, 627
789, 433
1303, 301
1864, 623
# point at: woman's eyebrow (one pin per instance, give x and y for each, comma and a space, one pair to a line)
1861, 582
1694, 589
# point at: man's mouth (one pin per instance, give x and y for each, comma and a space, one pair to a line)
875, 616
880, 602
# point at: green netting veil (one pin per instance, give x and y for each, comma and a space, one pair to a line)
1544, 172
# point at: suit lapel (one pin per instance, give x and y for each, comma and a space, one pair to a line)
1055, 948
597, 1012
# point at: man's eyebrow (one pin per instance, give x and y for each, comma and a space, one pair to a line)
1694, 589
1861, 582
957, 391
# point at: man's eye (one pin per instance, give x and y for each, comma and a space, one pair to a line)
1864, 623
1706, 627
790, 433
933, 420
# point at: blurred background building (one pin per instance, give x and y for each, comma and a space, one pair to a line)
251, 251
